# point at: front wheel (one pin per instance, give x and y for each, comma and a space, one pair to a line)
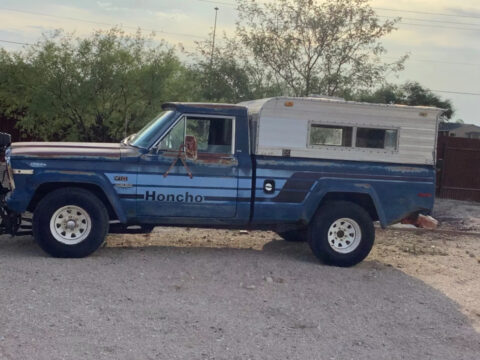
70, 223
341, 234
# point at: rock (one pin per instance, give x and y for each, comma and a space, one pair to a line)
268, 279
426, 222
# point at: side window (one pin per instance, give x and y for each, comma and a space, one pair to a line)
331, 135
376, 138
175, 138
214, 135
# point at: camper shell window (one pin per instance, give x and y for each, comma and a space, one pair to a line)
352, 137
331, 135
376, 138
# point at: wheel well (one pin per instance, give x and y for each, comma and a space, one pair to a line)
44, 189
363, 200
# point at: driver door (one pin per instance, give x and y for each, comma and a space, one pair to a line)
202, 185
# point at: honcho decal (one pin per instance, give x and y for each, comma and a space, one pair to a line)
182, 198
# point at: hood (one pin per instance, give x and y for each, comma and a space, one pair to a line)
66, 150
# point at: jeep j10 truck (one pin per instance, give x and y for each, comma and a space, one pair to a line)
320, 170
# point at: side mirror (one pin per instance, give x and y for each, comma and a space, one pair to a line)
191, 147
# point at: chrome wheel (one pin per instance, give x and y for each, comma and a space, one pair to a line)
344, 235
70, 225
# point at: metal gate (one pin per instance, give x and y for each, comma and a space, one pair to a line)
458, 164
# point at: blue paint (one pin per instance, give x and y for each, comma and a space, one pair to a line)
221, 193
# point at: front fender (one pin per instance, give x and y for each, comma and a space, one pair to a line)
20, 199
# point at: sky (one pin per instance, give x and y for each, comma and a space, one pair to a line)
442, 37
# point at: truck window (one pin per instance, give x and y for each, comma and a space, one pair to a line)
331, 135
175, 137
214, 135
376, 138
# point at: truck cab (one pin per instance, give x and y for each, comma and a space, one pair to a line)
313, 170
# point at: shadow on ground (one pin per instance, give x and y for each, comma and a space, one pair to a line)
220, 303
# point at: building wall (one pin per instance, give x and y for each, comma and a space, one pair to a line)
467, 131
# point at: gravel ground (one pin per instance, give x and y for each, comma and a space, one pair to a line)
458, 215
203, 294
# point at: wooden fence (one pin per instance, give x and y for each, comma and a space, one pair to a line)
458, 164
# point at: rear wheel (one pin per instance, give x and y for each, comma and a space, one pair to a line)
70, 223
341, 234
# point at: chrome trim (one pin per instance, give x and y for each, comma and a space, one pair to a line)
22, 171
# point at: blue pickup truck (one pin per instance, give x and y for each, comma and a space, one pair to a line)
319, 170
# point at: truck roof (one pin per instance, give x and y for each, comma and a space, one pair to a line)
198, 106
194, 107
330, 99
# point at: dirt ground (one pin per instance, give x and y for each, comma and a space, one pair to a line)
217, 294
447, 259
457, 215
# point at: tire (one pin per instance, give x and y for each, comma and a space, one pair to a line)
294, 235
70, 223
341, 234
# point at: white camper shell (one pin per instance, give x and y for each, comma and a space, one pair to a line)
332, 128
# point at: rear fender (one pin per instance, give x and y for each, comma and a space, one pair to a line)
329, 186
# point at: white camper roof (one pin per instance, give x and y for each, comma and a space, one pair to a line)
282, 125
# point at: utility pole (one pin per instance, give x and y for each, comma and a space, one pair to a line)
213, 41
210, 77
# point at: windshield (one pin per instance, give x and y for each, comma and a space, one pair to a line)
150, 132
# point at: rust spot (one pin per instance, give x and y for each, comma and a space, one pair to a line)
207, 158
66, 150
221, 159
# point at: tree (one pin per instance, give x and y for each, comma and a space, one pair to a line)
94, 89
313, 47
229, 75
411, 93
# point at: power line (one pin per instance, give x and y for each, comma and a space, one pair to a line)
101, 23
376, 8
457, 92
441, 27
402, 22
15, 42
432, 20
425, 13
435, 61
218, 2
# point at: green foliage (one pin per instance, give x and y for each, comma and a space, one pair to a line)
411, 93
316, 47
230, 76
108, 85
95, 89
